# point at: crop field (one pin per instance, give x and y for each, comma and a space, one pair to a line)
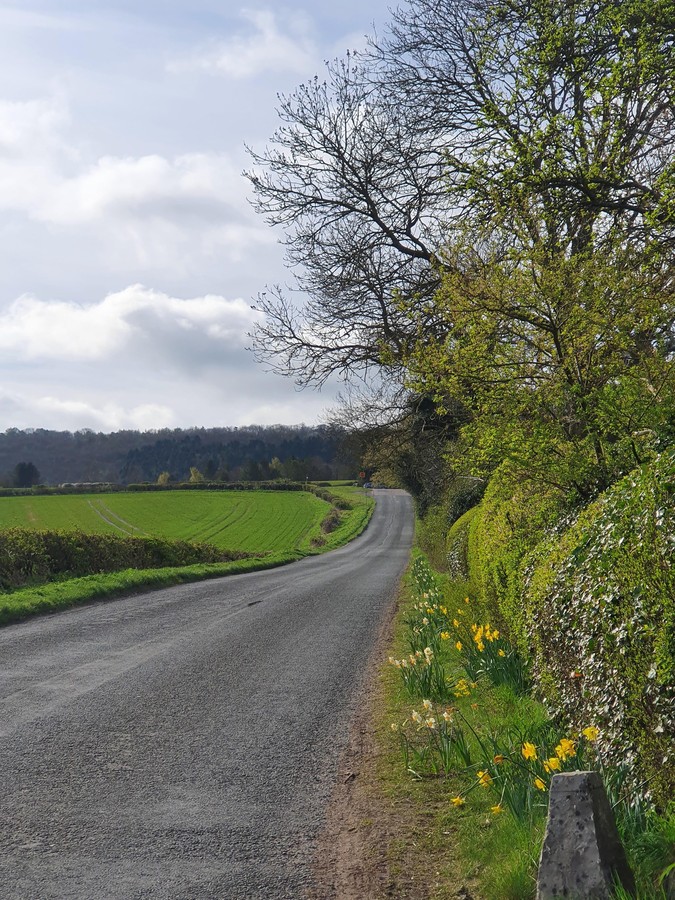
258, 522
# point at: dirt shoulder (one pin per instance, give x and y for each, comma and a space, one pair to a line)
380, 839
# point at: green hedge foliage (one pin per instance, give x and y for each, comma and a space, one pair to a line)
590, 600
512, 518
600, 605
30, 557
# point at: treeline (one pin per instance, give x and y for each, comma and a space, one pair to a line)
251, 453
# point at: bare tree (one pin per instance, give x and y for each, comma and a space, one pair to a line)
359, 194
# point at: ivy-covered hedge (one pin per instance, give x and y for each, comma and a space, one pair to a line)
512, 518
591, 602
600, 606
29, 557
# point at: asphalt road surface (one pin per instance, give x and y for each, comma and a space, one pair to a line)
183, 743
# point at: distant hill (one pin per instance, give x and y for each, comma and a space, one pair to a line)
252, 452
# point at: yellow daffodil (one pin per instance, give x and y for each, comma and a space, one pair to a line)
498, 758
466, 600
457, 801
484, 779
445, 635
458, 645
565, 749
495, 810
455, 622
539, 784
591, 733
529, 751
501, 653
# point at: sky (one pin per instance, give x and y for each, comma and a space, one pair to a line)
129, 254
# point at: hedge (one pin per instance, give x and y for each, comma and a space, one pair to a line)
30, 557
590, 601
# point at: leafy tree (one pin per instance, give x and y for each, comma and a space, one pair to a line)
556, 310
25, 475
564, 366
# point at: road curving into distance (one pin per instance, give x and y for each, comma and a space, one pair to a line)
183, 744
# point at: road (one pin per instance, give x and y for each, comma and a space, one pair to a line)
183, 743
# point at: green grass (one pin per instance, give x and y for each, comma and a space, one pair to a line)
257, 522
277, 527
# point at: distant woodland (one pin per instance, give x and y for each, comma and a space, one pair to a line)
221, 454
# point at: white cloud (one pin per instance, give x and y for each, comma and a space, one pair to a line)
162, 212
270, 47
53, 412
137, 320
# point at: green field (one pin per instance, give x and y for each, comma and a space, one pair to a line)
259, 522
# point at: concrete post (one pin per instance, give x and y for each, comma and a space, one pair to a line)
582, 857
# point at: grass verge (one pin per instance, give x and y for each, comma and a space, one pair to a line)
458, 836
56, 595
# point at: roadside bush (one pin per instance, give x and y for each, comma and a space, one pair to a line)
457, 546
512, 518
600, 606
28, 557
460, 496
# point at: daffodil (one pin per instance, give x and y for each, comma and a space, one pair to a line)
416, 717
445, 635
457, 801
484, 779
498, 758
529, 751
591, 733
458, 645
455, 622
565, 749
430, 722
428, 705
539, 784
501, 653
495, 810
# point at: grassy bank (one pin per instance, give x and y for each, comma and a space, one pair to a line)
469, 768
